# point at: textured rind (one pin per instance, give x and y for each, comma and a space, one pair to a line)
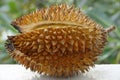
58, 41
58, 51
58, 14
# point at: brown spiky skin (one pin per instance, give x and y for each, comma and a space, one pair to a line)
60, 42
58, 14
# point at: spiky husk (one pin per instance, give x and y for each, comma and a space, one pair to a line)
55, 15
58, 41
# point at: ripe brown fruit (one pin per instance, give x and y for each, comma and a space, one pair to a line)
58, 41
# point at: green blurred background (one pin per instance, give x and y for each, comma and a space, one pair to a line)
105, 12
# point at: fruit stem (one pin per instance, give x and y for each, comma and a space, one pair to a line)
110, 29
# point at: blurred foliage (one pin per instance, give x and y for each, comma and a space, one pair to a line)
105, 12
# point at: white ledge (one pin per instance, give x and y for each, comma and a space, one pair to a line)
99, 72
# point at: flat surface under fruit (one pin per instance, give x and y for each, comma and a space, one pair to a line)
99, 72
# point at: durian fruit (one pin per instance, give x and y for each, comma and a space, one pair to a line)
57, 41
